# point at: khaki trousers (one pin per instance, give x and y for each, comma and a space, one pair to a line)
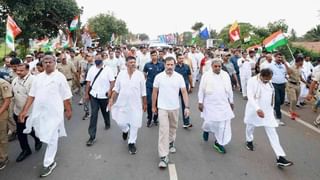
168, 124
293, 92
12, 126
3, 138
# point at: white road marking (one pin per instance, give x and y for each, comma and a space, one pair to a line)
308, 125
173, 172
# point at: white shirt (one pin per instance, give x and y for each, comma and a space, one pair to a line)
113, 64
169, 87
265, 65
142, 60
195, 60
245, 67
102, 84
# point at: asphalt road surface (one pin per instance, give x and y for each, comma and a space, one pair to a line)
108, 158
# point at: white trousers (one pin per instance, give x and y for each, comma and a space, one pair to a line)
221, 130
133, 132
244, 83
195, 75
272, 136
51, 150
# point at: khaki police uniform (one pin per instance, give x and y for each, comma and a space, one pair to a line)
293, 86
68, 70
5, 92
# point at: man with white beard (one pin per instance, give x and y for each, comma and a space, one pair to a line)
216, 104
259, 112
130, 90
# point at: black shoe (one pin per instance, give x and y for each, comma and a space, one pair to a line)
46, 171
298, 105
149, 124
282, 162
155, 122
250, 146
23, 155
86, 116
205, 136
132, 148
38, 146
219, 148
91, 141
12, 137
124, 135
187, 126
106, 127
4, 163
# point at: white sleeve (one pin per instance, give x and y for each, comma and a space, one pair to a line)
65, 89
117, 85
156, 81
182, 83
201, 89
33, 88
90, 75
251, 90
143, 85
240, 62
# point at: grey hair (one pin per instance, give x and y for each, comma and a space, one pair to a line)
216, 61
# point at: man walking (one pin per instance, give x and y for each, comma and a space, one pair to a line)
166, 88
130, 90
245, 65
216, 105
151, 69
21, 86
100, 81
185, 71
259, 112
50, 95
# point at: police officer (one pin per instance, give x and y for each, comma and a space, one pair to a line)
185, 71
21, 86
5, 99
151, 69
67, 69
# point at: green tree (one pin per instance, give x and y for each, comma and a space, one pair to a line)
143, 37
107, 24
197, 26
293, 35
39, 18
313, 34
277, 25
213, 34
187, 38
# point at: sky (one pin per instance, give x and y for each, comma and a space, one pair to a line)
169, 16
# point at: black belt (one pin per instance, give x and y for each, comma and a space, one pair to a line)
69, 79
295, 83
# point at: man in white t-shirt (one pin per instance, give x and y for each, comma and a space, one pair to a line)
100, 81
166, 89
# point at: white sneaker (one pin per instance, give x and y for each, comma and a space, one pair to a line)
164, 162
281, 123
172, 148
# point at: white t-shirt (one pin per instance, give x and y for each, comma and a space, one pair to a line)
102, 84
265, 65
169, 87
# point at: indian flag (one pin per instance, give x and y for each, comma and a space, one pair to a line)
194, 36
275, 40
13, 30
74, 23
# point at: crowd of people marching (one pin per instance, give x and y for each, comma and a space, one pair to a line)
36, 94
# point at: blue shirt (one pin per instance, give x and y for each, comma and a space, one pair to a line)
234, 61
279, 73
184, 70
152, 70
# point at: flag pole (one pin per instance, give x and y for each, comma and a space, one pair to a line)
5, 47
290, 51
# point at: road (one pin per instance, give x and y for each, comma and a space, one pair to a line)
108, 158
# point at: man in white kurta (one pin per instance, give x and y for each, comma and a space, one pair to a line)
50, 95
259, 112
245, 67
130, 89
216, 104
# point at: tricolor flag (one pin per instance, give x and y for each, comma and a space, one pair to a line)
275, 40
74, 23
234, 32
194, 36
12, 31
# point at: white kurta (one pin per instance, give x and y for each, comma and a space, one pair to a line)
260, 96
215, 92
47, 116
128, 107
